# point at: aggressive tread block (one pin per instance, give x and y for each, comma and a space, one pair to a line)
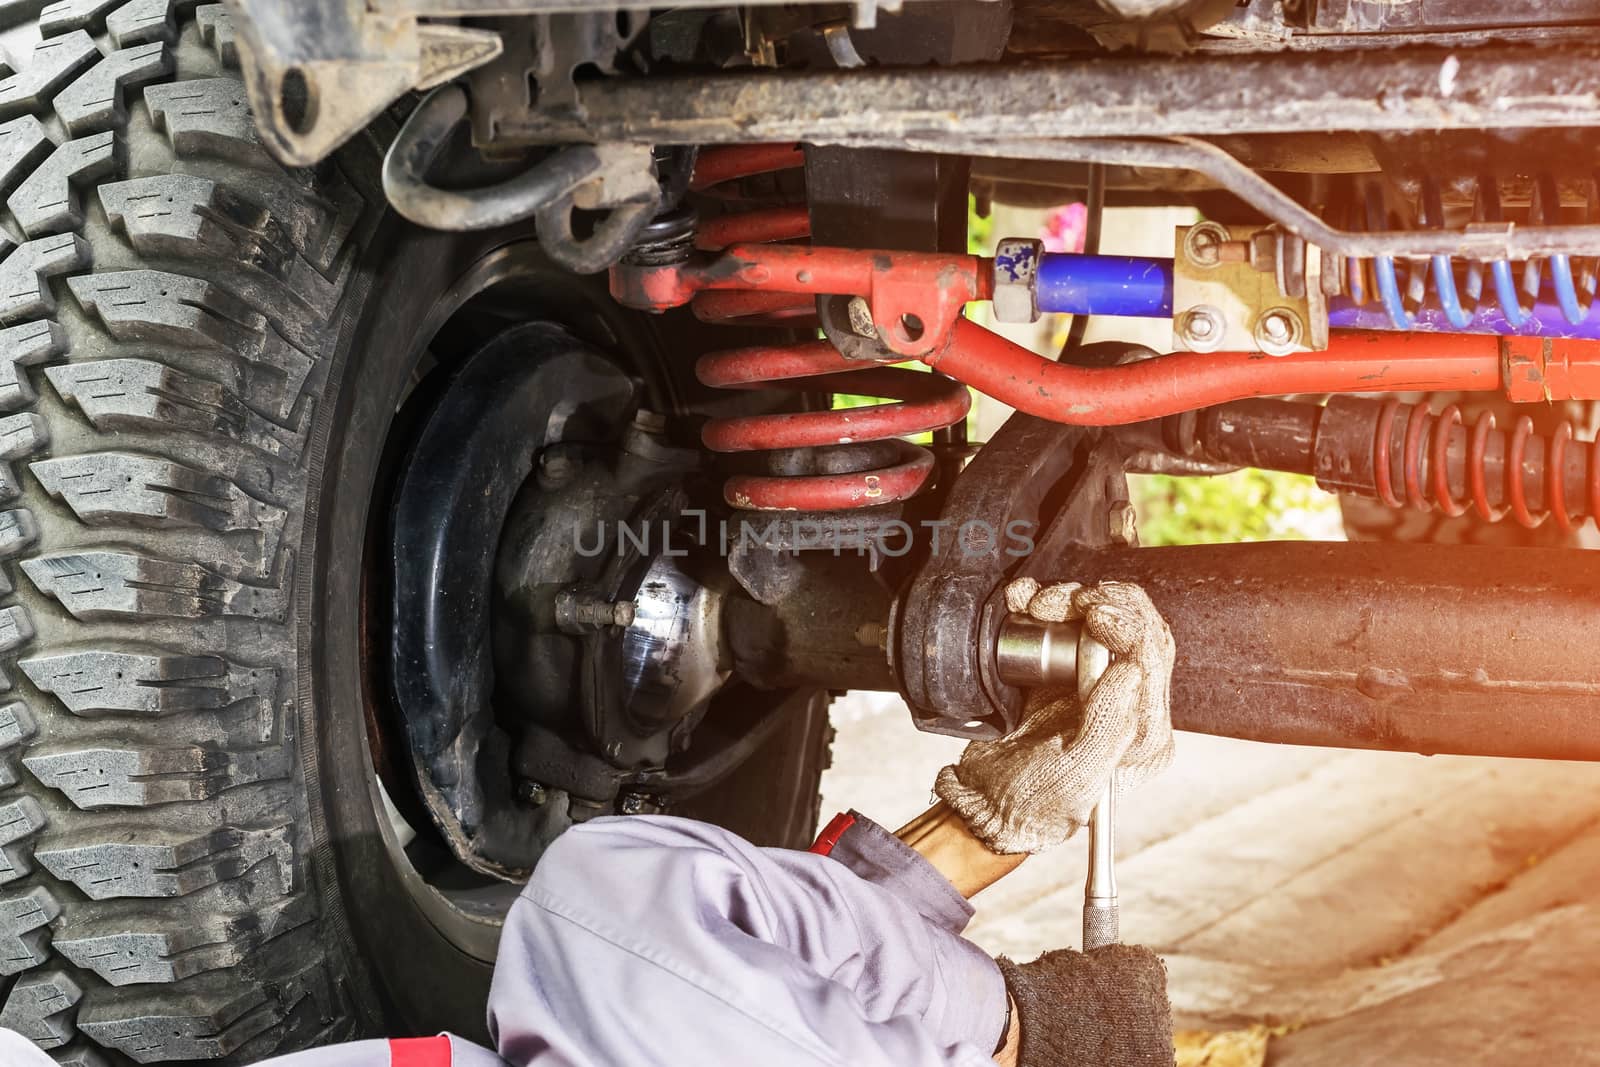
110, 488
16, 628
100, 777
142, 21
152, 305
206, 117
208, 1023
141, 394
20, 435
20, 819
94, 683
106, 864
41, 1007
24, 928
187, 215
216, 30
25, 346
55, 61
109, 584
23, 146
65, 15
16, 729
93, 102
47, 200
25, 273
123, 955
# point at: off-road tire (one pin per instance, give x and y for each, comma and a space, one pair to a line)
181, 875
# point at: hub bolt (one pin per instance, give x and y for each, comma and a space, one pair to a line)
577, 613
556, 469
637, 803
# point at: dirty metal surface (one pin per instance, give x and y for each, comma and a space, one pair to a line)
1491, 87
1420, 648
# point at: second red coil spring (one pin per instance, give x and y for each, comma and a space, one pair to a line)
1426, 461
885, 469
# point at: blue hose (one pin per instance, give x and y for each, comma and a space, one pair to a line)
1105, 285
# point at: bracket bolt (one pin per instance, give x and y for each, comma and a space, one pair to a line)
1203, 244
1122, 523
860, 315
1278, 331
1201, 328
531, 793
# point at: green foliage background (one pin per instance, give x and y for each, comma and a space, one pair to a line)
1247, 505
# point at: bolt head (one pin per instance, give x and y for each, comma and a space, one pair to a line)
1202, 244
1201, 328
1122, 523
1016, 277
860, 314
555, 469
1277, 331
531, 793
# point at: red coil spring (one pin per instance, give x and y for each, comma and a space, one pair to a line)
1427, 435
921, 402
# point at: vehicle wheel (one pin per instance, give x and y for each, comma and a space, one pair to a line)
201, 358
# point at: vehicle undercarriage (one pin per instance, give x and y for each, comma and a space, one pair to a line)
422, 436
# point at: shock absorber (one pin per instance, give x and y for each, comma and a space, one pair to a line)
1407, 456
817, 460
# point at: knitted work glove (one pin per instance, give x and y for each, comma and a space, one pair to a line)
1107, 1007
1034, 787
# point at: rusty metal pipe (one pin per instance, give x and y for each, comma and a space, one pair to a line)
1413, 648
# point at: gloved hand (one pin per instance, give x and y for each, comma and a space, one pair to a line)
1107, 1007
1034, 787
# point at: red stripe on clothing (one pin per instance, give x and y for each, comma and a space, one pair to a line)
419, 1052
832, 832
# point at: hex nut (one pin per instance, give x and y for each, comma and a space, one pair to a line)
860, 314
1278, 331
1016, 279
1202, 244
1122, 523
1202, 328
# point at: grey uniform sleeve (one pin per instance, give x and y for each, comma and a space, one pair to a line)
653, 940
446, 1050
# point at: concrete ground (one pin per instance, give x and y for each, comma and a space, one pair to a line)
1375, 907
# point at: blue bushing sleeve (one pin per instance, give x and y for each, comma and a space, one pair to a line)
1105, 285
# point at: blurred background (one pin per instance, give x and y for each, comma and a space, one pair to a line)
1314, 906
